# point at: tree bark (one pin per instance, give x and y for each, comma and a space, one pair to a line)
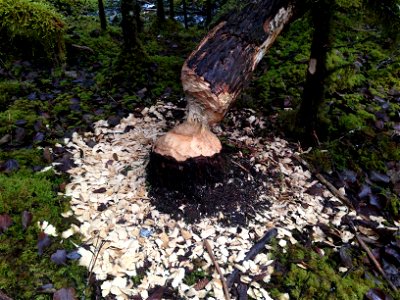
208, 12
314, 88
185, 19
221, 66
102, 15
128, 24
218, 70
160, 11
171, 10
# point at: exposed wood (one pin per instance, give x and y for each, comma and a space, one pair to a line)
223, 63
224, 285
257, 248
217, 71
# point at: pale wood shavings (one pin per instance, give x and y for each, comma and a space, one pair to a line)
109, 198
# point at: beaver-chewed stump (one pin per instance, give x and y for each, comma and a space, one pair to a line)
185, 176
212, 77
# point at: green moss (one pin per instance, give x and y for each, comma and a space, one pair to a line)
193, 277
22, 270
19, 110
10, 89
320, 279
33, 23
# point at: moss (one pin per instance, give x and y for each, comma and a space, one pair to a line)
193, 277
10, 89
22, 270
20, 110
33, 23
320, 279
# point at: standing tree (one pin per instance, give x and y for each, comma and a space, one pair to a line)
208, 12
185, 19
387, 12
171, 9
102, 15
160, 11
129, 24
313, 94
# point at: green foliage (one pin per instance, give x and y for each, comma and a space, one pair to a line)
19, 110
10, 89
193, 277
33, 24
22, 270
320, 279
167, 74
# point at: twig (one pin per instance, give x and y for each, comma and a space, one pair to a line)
240, 166
257, 247
4, 296
371, 256
325, 182
224, 285
85, 48
93, 261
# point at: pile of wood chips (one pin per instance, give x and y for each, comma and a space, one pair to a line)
126, 233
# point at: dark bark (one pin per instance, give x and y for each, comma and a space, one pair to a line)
160, 11
102, 15
129, 24
208, 12
228, 55
171, 9
139, 21
185, 19
314, 88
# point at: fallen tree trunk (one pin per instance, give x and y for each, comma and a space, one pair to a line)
216, 73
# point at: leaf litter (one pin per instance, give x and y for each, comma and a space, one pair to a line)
128, 226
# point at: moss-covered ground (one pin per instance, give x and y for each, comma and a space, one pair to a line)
64, 85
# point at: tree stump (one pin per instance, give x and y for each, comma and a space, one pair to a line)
212, 77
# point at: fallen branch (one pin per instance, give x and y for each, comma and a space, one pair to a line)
224, 285
325, 182
257, 248
84, 48
371, 256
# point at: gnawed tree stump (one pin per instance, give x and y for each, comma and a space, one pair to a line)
212, 78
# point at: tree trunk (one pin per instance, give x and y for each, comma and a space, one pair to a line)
102, 15
208, 12
184, 8
222, 65
171, 10
160, 11
314, 88
218, 70
129, 24
139, 21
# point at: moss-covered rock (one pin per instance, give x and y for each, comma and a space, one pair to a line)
32, 26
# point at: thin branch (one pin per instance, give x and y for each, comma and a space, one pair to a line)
325, 182
224, 285
371, 256
257, 248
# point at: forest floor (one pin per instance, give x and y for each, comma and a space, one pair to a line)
57, 121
